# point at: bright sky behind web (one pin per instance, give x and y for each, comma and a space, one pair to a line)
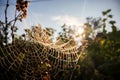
54, 13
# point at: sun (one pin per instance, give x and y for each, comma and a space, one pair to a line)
79, 30
78, 34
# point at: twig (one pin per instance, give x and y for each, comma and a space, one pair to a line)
15, 18
6, 21
13, 26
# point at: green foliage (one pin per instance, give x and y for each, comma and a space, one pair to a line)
104, 53
106, 12
110, 16
66, 32
91, 26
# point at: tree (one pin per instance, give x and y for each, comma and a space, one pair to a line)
103, 52
20, 13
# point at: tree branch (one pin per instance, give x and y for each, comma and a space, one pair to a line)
6, 21
13, 26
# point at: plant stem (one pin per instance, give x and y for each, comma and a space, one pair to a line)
12, 28
6, 21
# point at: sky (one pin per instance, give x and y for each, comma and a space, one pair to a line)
55, 13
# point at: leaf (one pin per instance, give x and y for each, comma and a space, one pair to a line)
109, 10
27, 30
104, 19
104, 13
23, 35
20, 20
102, 42
112, 22
63, 25
1, 23
110, 16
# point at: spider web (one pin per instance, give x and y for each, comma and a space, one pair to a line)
35, 60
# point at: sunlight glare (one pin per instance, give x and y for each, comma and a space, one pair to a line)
78, 34
79, 31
